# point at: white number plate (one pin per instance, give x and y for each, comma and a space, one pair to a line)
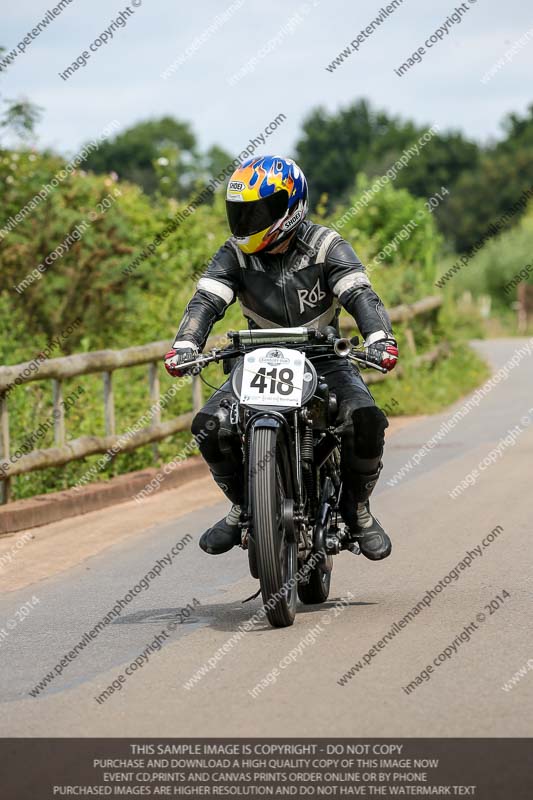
273, 376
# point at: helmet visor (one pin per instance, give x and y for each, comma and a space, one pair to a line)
247, 218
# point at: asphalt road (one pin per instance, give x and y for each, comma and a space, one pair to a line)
432, 532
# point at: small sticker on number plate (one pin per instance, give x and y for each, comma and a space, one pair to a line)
273, 376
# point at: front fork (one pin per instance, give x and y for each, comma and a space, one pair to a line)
323, 514
293, 506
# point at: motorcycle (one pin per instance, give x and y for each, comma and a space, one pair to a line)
285, 416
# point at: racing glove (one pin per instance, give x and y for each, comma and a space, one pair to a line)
181, 353
382, 349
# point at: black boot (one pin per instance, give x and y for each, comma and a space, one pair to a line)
373, 541
226, 533
363, 527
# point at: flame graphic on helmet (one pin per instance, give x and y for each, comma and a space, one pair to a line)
261, 176
265, 175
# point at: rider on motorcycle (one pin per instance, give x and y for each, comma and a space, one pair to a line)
288, 272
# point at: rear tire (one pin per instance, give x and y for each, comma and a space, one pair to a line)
276, 551
317, 590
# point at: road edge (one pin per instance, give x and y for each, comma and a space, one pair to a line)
55, 506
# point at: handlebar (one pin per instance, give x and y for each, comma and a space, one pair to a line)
305, 338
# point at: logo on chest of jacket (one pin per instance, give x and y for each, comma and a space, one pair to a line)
310, 297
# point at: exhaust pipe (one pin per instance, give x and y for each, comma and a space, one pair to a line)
343, 347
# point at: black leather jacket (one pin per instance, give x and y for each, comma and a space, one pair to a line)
304, 286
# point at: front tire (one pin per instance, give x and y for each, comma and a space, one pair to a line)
276, 549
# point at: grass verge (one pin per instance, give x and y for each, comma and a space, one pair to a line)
430, 388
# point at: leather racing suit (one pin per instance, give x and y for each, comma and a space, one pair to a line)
305, 286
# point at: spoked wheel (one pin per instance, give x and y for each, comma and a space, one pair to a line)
276, 551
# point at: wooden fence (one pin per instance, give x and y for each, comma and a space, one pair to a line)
106, 362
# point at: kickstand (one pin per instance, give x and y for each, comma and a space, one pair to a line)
252, 597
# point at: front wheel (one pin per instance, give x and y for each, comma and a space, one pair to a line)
276, 550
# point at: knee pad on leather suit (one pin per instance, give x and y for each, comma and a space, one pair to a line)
361, 453
220, 448
369, 424
363, 441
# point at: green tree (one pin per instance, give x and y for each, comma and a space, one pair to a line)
156, 154
19, 116
396, 238
492, 184
519, 132
482, 196
84, 242
216, 160
85, 274
334, 148
503, 263
441, 162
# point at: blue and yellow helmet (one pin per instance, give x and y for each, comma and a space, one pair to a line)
266, 201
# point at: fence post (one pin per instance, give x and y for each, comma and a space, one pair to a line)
521, 294
59, 413
197, 399
410, 339
5, 447
109, 404
155, 397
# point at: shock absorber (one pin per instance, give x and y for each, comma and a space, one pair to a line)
307, 444
307, 462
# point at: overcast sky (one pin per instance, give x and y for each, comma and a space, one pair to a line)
122, 80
